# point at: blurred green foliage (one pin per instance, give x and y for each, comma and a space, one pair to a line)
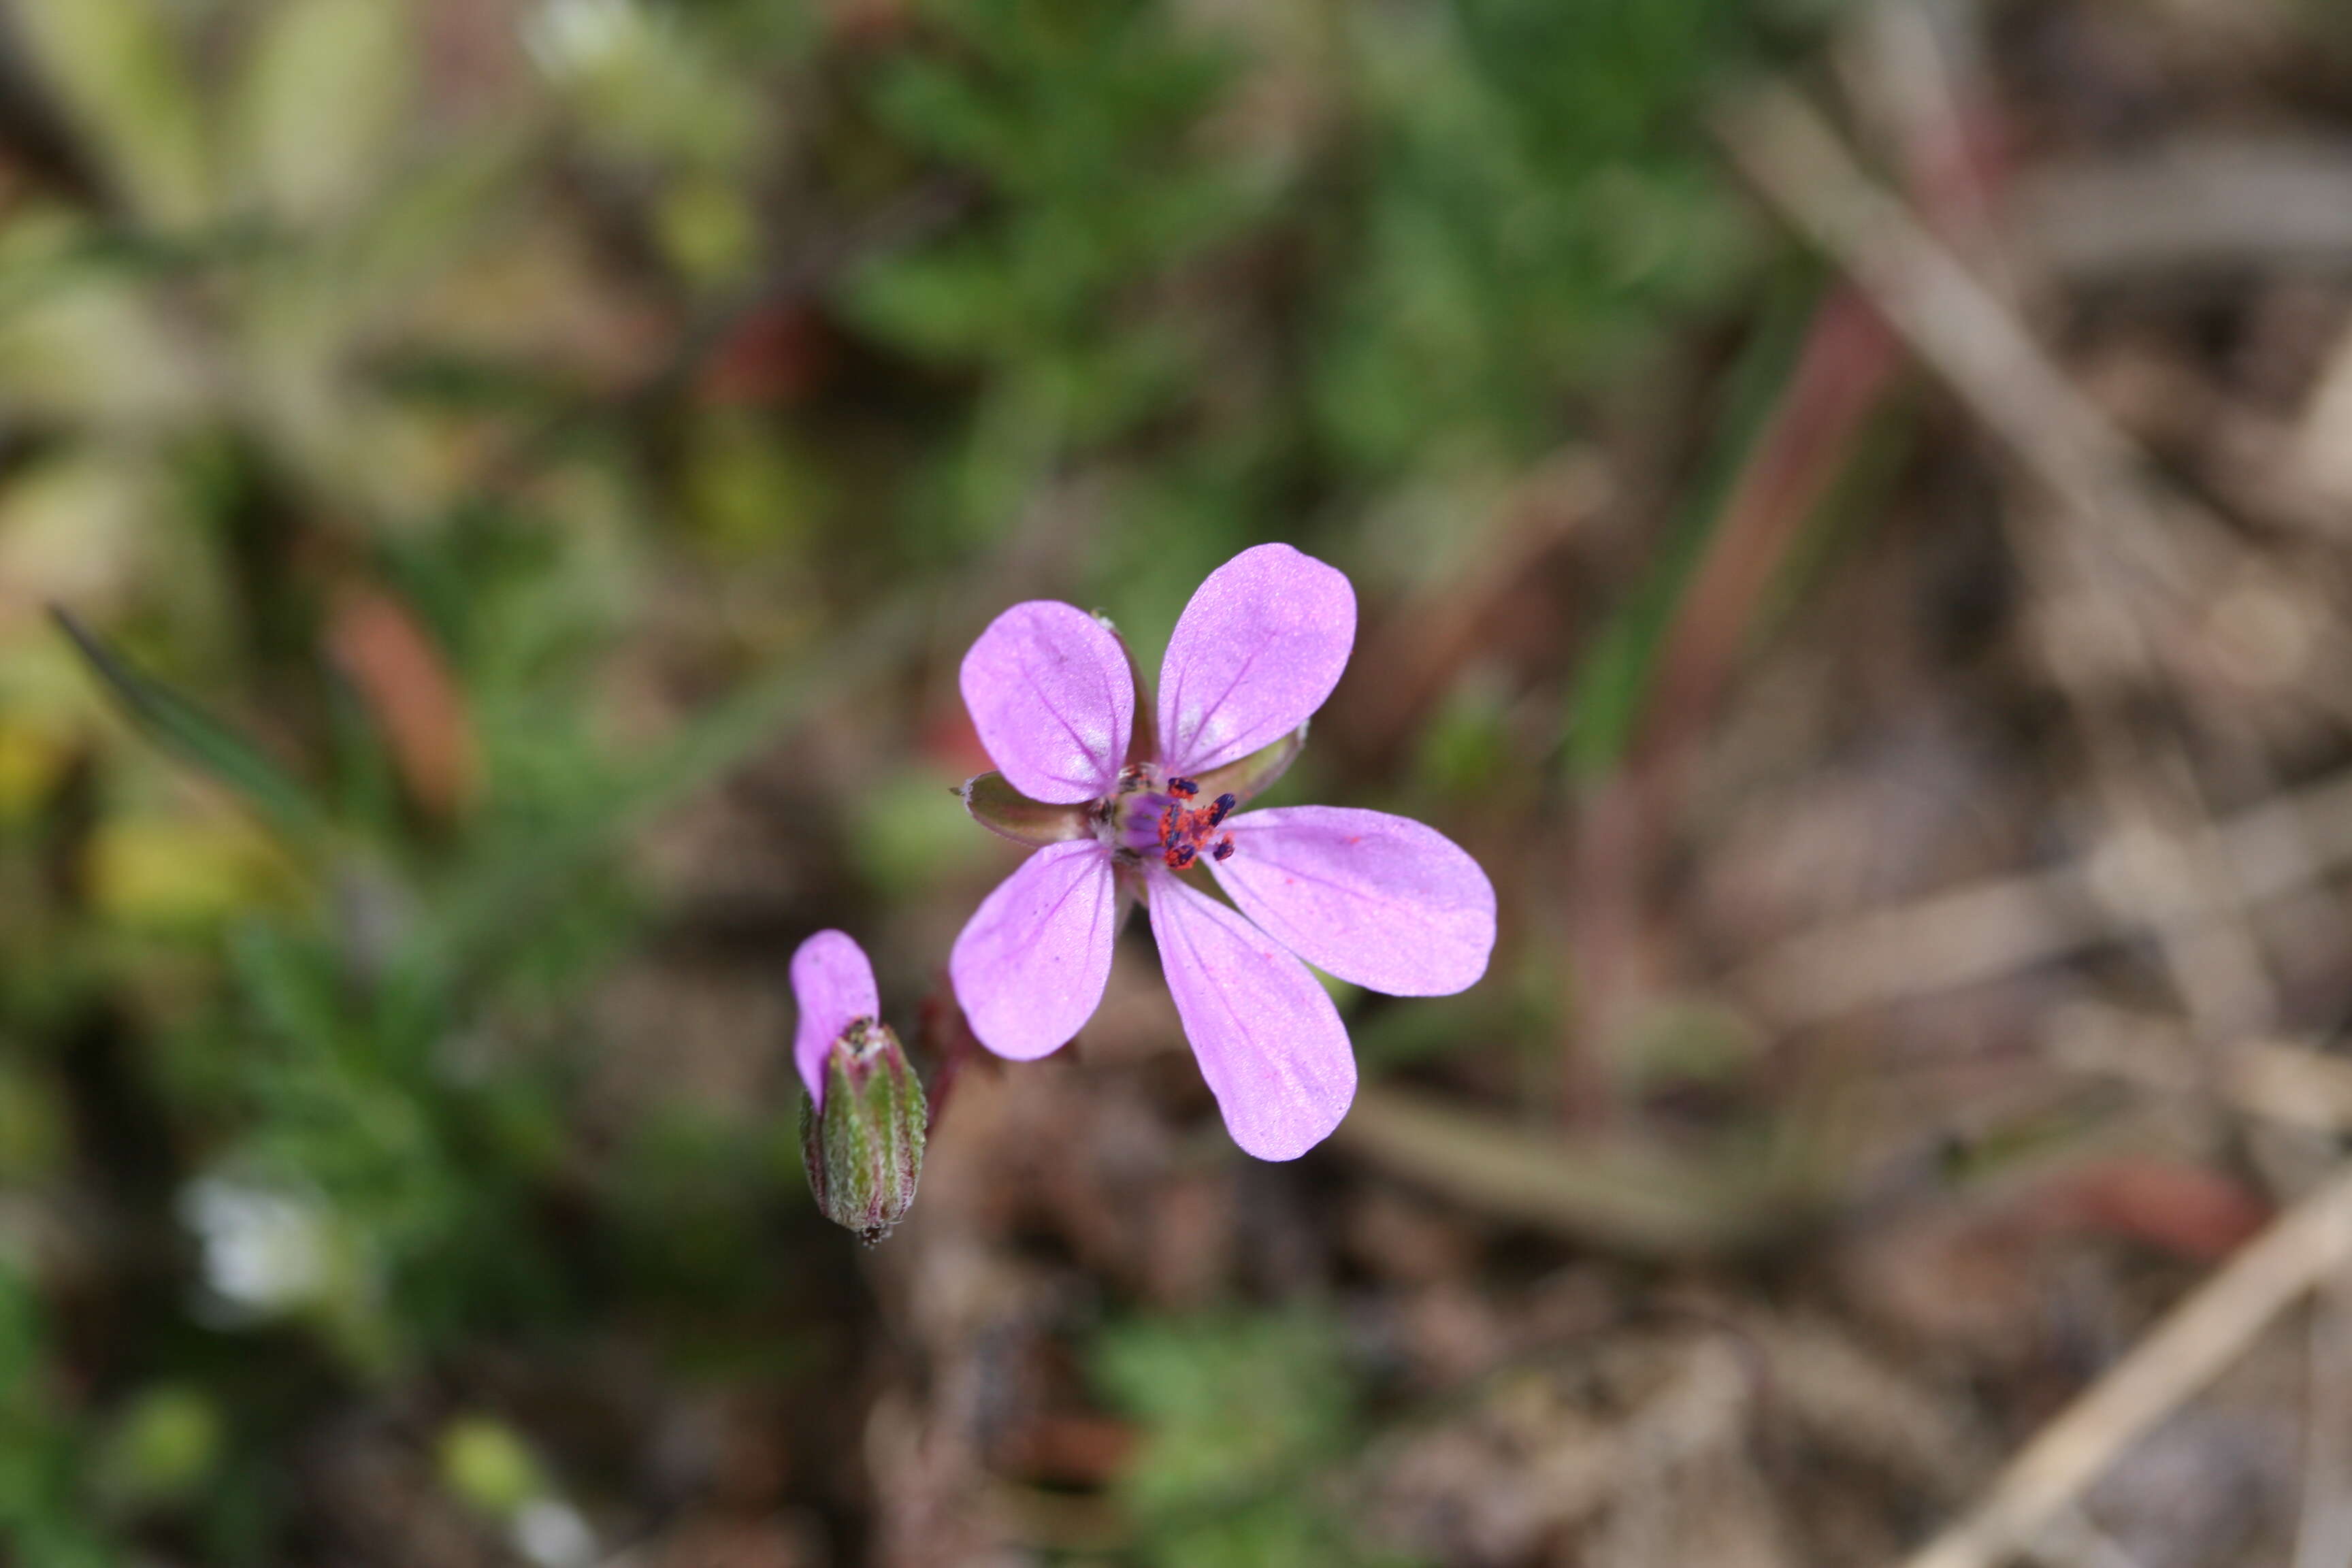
1540, 206
489, 1466
465, 430
1244, 1420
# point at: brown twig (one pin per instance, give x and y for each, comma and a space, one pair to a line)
1633, 1199
2191, 1346
2116, 543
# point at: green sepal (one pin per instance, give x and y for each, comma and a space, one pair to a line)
1255, 774
864, 1152
1007, 812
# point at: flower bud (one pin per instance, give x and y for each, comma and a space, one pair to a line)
865, 1149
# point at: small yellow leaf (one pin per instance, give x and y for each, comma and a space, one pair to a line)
168, 872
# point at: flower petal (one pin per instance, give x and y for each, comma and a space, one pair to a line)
1048, 689
1255, 653
833, 985
1381, 901
1269, 1041
1030, 964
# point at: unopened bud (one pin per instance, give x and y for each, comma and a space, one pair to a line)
864, 1149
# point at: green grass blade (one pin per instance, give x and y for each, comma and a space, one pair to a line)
185, 731
1611, 693
482, 917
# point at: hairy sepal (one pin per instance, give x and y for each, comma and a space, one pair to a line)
1004, 811
1255, 774
864, 1152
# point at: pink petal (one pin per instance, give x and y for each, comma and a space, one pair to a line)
833, 985
1269, 1041
1050, 693
1255, 653
1030, 964
1381, 901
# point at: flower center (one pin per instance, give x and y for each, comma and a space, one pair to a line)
1171, 822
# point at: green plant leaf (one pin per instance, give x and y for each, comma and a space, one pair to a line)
320, 103
195, 736
119, 70
511, 895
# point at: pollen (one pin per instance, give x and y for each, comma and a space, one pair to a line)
1184, 832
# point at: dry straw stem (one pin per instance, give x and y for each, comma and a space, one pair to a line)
2118, 542
2278, 1082
2323, 1537
1626, 1198
2155, 538
1957, 326
1993, 928
2194, 1343
2208, 204
2072, 1541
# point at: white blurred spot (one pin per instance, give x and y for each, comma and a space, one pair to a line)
553, 1535
266, 1250
573, 37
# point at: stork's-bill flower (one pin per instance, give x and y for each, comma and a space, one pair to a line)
1120, 803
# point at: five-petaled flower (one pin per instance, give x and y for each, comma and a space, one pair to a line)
1121, 802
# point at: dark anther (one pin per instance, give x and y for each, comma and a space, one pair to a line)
1218, 807
1184, 787
1224, 851
1182, 856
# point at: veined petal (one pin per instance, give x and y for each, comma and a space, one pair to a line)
1381, 901
1049, 692
1255, 653
1268, 1039
833, 985
1030, 967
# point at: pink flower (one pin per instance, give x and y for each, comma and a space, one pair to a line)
834, 984
1120, 808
